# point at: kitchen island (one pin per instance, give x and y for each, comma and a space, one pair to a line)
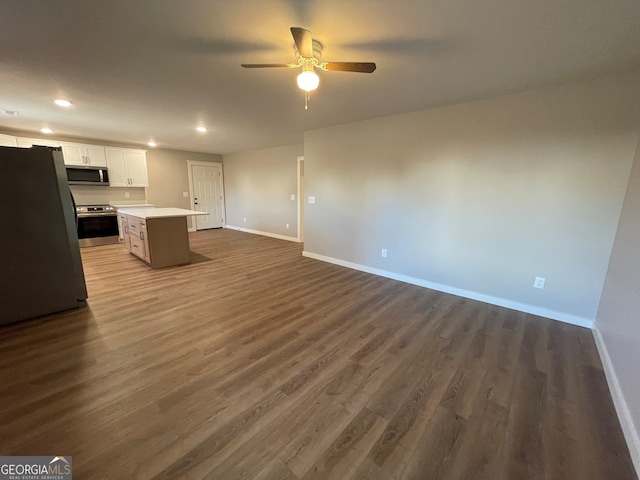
125, 204
158, 236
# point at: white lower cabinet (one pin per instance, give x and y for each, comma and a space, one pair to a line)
135, 237
127, 167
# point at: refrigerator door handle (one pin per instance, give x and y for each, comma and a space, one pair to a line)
75, 210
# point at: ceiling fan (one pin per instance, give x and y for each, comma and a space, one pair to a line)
308, 52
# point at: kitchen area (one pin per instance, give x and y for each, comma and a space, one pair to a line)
158, 236
158, 176
106, 203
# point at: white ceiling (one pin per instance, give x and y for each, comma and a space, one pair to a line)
142, 69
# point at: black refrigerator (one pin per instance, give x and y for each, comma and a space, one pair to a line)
40, 265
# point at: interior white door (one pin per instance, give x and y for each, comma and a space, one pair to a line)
207, 195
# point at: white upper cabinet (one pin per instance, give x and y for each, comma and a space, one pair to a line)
127, 167
8, 141
118, 176
87, 155
137, 167
30, 142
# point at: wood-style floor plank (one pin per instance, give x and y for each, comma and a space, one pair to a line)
254, 362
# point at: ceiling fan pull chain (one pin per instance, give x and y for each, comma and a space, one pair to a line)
306, 100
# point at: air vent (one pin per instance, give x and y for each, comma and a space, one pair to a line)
11, 113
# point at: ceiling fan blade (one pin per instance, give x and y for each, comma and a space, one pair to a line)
360, 67
268, 65
304, 42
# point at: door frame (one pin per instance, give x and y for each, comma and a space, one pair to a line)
191, 163
300, 201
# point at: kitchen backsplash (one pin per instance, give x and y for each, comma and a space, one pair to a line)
95, 195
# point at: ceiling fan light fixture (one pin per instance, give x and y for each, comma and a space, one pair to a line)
61, 102
308, 80
308, 52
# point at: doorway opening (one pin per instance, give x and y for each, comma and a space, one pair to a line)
301, 199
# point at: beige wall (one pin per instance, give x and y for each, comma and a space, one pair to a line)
618, 320
169, 177
259, 185
480, 198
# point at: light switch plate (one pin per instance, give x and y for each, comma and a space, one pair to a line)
185, 194
293, 197
312, 199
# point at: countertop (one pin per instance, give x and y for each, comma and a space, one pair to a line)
159, 212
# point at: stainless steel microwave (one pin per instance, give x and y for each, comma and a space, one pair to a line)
79, 175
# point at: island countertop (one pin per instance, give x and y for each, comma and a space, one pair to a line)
148, 213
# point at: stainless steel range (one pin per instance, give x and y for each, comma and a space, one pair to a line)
97, 225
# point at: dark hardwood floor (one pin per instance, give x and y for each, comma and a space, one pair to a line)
254, 362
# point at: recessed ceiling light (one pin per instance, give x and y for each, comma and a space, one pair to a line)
46, 130
201, 129
61, 102
152, 143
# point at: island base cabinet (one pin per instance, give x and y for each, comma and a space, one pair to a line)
160, 242
123, 230
168, 241
140, 248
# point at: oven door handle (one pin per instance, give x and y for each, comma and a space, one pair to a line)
97, 214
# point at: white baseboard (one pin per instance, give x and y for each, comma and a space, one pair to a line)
522, 307
191, 229
266, 234
626, 421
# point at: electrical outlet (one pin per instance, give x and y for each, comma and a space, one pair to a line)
312, 199
539, 282
245, 219
384, 253
293, 197
126, 194
287, 226
185, 194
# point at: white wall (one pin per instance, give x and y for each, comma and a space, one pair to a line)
258, 186
618, 320
480, 198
